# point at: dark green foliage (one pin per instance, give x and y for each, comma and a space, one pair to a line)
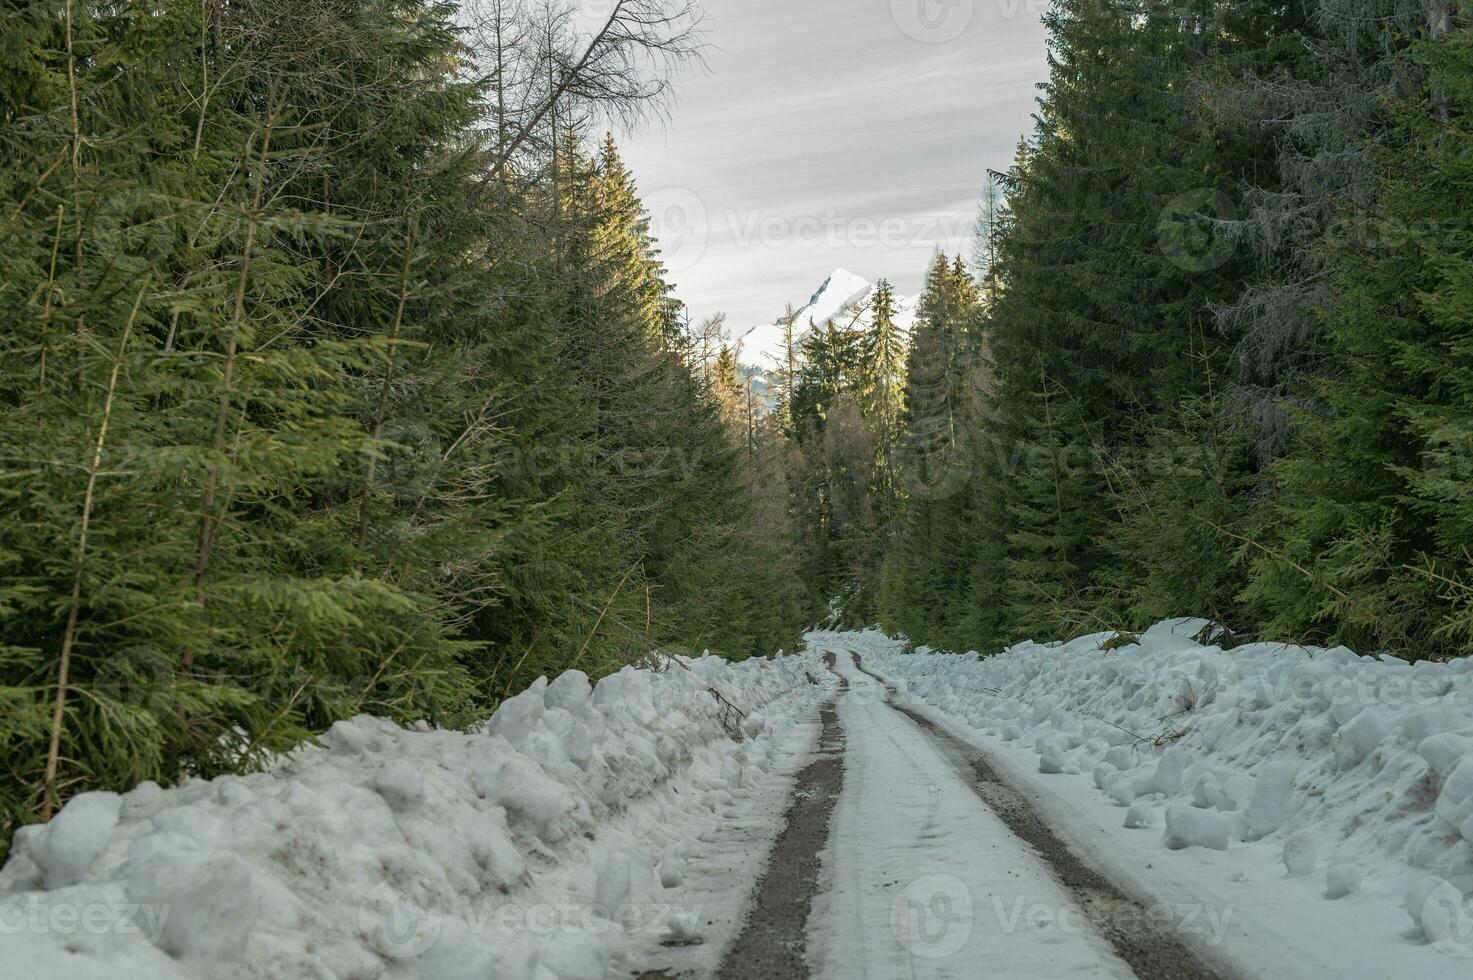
929, 558
1220, 368
1051, 515
1371, 540
302, 415
845, 416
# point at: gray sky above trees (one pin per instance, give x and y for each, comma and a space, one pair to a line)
833, 133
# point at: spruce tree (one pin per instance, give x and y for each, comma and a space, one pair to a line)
881, 389
300, 416
1372, 538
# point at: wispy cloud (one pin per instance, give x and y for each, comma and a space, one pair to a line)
825, 134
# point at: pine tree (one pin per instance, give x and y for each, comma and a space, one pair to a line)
301, 413
728, 394
787, 374
1313, 91
922, 581
1050, 552
671, 468
186, 631
1372, 532
881, 390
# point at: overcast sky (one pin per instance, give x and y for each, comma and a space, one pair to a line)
833, 133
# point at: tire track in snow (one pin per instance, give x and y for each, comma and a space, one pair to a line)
922, 881
1152, 953
773, 943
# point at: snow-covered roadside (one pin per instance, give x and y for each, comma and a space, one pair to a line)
1323, 800
582, 825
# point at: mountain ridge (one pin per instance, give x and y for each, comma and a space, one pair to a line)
843, 293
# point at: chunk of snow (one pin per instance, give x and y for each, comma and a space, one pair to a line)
347, 738
400, 784
1140, 815
672, 867
1342, 880
570, 692
1187, 827
682, 927
1358, 739
141, 801
212, 897
1438, 908
1421, 725
1301, 854
70, 842
1126, 788
533, 801
1170, 771
515, 717
1444, 751
611, 896
1418, 892
1052, 760
1179, 628
1455, 802
1273, 798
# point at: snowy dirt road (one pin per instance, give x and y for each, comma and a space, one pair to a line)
926, 869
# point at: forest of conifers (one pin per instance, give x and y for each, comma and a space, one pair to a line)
338, 376
341, 373
1213, 357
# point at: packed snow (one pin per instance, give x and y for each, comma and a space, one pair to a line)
1325, 797
921, 880
582, 825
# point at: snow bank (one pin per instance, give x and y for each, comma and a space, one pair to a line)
538, 847
1347, 768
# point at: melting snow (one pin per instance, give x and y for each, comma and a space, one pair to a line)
547, 845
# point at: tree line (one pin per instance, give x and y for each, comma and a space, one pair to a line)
340, 374
1212, 357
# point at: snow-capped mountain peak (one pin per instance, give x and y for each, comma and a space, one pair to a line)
842, 292
842, 298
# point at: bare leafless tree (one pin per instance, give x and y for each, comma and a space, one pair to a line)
622, 69
710, 336
502, 36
